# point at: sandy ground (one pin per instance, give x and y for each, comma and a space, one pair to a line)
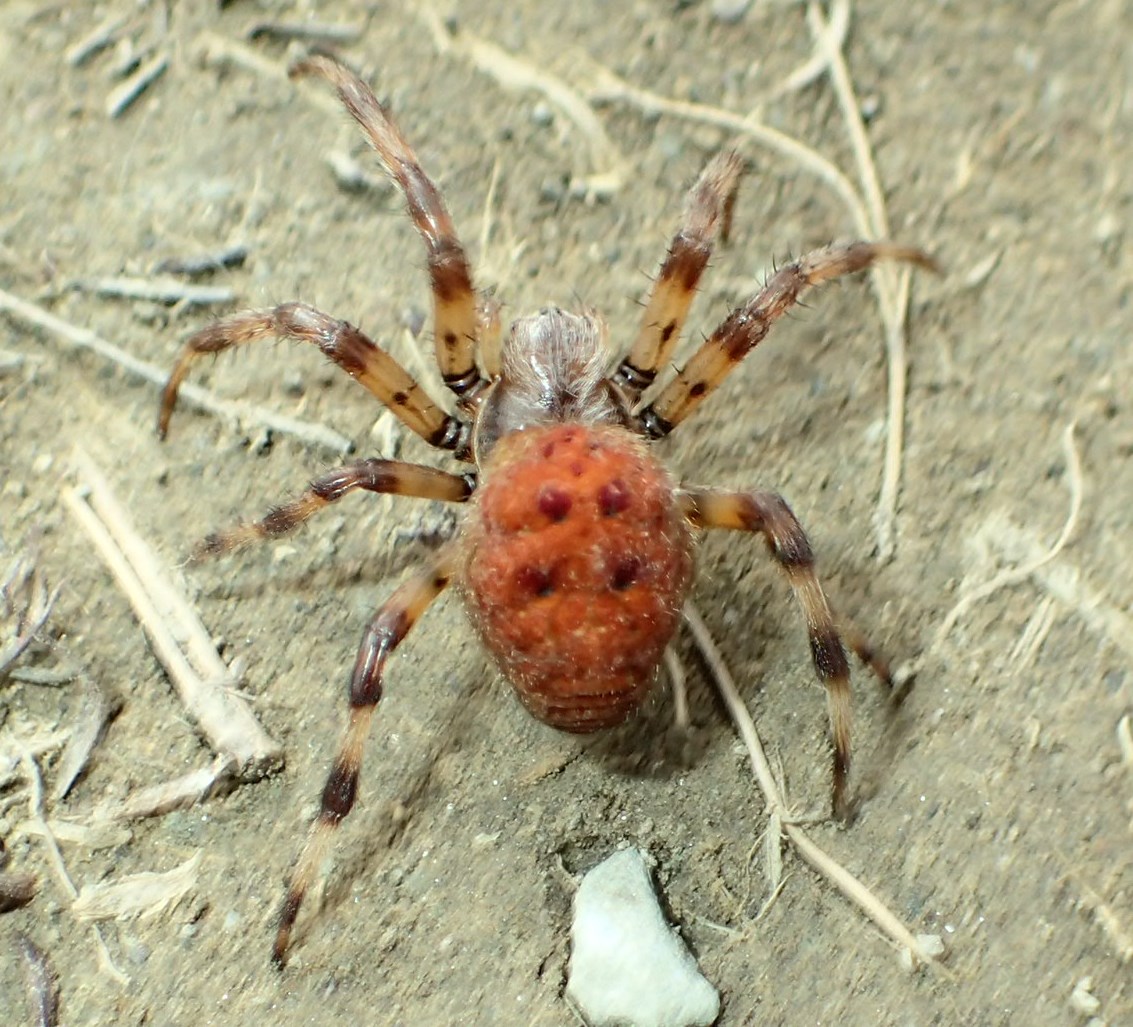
995, 805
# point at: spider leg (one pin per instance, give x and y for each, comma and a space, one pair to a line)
747, 326
392, 622
393, 477
768, 514
455, 318
346, 346
708, 211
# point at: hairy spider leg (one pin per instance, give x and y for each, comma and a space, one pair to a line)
344, 345
748, 326
389, 626
708, 212
768, 514
456, 323
391, 477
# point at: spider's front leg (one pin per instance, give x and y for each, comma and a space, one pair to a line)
768, 514
747, 326
389, 626
343, 344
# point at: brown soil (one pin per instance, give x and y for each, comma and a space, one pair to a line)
995, 804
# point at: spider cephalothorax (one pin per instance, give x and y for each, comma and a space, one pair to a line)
575, 552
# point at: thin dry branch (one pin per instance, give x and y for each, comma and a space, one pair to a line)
178, 638
25, 605
180, 793
891, 283
608, 164
826, 865
233, 412
37, 817
1021, 572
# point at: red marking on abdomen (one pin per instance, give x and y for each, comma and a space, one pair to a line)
577, 560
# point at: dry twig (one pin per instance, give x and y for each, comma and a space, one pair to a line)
178, 638
608, 164
36, 815
312, 434
180, 793
826, 865
1014, 575
158, 290
119, 100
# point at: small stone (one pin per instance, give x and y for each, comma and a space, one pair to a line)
627, 966
729, 11
1082, 1000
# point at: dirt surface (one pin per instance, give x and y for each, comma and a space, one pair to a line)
995, 805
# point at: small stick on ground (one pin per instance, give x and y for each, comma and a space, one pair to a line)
158, 290
311, 434
890, 283
98, 40
180, 793
36, 815
322, 32
1014, 575
178, 638
678, 682
609, 166
204, 263
826, 865
814, 68
119, 100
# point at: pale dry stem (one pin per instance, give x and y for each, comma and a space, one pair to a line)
180, 793
55, 857
607, 163
311, 434
178, 638
826, 865
1014, 575
890, 282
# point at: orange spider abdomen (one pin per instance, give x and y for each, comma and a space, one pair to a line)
576, 563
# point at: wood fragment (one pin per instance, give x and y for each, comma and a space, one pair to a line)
97, 41
204, 263
42, 982
180, 793
179, 639
142, 895
83, 338
308, 31
95, 711
158, 290
120, 99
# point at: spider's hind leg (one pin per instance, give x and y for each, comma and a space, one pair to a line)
768, 514
389, 626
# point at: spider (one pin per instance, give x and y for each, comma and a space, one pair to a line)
576, 547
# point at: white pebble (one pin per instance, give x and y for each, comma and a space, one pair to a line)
627, 966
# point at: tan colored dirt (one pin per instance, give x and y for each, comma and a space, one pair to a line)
994, 805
